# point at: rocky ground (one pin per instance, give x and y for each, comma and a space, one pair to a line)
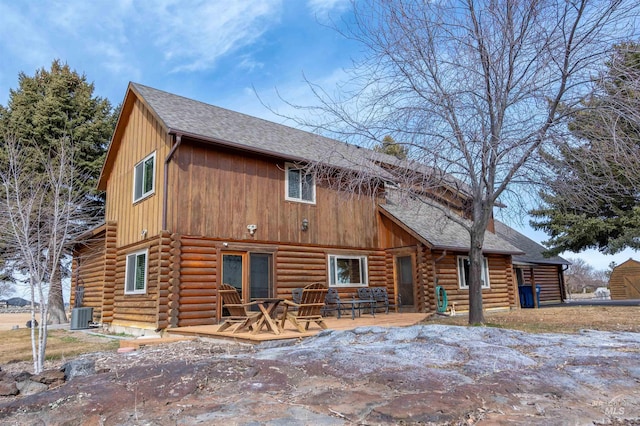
429, 374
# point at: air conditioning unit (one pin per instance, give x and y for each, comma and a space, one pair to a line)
80, 318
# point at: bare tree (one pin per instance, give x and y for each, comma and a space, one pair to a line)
5, 289
580, 276
471, 88
44, 213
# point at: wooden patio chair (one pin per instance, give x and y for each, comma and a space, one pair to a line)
239, 315
308, 310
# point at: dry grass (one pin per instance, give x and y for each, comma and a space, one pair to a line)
16, 344
565, 319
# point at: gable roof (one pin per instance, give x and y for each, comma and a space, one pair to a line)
533, 252
188, 117
433, 226
630, 263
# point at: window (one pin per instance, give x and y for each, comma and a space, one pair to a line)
144, 178
136, 273
300, 186
347, 271
463, 272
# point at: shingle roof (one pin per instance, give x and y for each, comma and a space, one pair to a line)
533, 251
434, 226
191, 117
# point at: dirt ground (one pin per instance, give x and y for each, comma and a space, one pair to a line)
9, 321
424, 374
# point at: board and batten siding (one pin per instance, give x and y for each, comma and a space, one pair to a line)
142, 136
217, 192
394, 236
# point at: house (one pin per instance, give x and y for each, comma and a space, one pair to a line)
533, 267
624, 282
197, 195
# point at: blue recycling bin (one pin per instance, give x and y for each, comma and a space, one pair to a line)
526, 298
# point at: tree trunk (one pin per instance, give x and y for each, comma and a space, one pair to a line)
476, 310
57, 314
482, 211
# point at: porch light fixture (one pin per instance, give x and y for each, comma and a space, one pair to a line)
305, 224
252, 229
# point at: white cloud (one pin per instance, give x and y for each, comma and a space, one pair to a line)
194, 36
321, 8
22, 37
246, 62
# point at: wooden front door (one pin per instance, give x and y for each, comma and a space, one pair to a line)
404, 281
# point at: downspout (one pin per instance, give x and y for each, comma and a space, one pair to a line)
178, 141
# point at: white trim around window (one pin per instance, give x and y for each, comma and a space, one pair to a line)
463, 272
144, 177
347, 271
299, 185
136, 272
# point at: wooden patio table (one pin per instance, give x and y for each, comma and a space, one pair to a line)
267, 308
358, 303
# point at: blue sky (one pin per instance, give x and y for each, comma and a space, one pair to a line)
217, 52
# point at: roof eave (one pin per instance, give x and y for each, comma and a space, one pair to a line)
89, 233
235, 145
485, 251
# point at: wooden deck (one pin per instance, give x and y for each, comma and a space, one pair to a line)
391, 319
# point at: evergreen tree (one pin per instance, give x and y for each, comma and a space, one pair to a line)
592, 201
47, 107
391, 147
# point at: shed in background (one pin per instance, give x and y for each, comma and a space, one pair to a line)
624, 282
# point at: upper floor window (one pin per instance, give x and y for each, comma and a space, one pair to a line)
464, 270
299, 185
347, 271
136, 273
144, 178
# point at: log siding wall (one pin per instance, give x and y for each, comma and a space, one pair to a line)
89, 270
500, 293
198, 297
110, 262
548, 278
138, 310
192, 287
